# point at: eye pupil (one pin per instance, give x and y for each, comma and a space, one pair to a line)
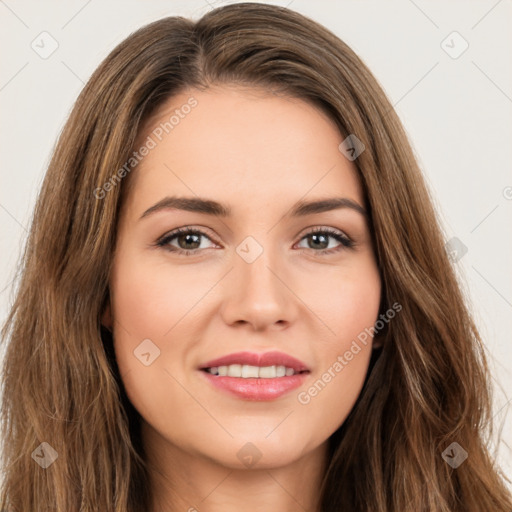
316, 236
187, 238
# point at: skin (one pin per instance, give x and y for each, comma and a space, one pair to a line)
259, 154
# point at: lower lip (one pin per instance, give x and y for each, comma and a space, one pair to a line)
256, 389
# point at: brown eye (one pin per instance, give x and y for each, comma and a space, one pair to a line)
319, 238
187, 240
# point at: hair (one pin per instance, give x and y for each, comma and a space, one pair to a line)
427, 386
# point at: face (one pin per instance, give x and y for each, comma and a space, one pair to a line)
264, 283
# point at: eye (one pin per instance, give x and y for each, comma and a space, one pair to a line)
320, 240
187, 239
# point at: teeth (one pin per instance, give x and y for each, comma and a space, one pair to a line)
267, 372
250, 371
235, 370
247, 371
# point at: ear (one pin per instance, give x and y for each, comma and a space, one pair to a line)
106, 317
378, 342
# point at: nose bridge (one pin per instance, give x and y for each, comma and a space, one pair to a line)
258, 294
254, 262
255, 259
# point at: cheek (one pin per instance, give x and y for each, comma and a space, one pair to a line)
345, 299
348, 306
150, 298
144, 307
148, 301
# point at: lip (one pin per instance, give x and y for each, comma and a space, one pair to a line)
257, 389
274, 358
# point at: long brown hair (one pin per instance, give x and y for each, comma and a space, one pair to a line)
427, 387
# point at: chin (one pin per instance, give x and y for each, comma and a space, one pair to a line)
257, 451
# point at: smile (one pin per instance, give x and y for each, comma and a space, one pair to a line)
247, 371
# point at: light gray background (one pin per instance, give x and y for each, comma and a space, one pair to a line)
457, 112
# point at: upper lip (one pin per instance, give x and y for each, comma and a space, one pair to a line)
273, 358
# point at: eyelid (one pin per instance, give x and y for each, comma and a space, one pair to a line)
322, 229
185, 229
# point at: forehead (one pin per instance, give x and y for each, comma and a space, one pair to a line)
243, 146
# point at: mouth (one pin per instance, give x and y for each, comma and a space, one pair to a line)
247, 371
256, 377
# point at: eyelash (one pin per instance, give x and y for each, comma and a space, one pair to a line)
345, 241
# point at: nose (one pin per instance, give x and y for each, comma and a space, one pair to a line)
258, 294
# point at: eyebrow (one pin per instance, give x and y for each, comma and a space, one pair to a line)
210, 207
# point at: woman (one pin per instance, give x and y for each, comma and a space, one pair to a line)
254, 370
